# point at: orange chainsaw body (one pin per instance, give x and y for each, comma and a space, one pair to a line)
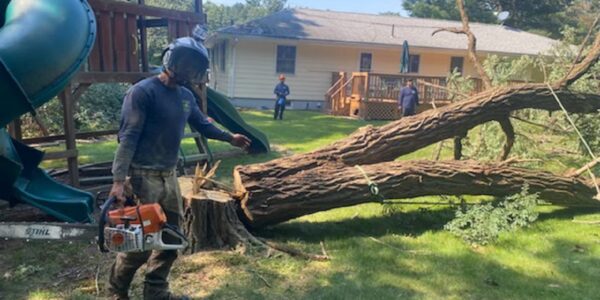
150, 216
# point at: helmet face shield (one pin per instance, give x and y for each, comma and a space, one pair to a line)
187, 61
186, 65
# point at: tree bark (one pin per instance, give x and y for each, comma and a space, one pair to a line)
273, 200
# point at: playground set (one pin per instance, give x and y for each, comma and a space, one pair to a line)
50, 48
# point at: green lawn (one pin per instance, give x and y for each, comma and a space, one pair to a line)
375, 255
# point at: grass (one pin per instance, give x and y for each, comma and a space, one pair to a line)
375, 255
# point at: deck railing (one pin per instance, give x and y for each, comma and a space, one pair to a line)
374, 95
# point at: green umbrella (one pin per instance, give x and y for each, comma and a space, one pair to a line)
404, 62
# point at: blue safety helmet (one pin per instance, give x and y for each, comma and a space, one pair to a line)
186, 59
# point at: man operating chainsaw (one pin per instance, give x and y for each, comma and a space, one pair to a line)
154, 115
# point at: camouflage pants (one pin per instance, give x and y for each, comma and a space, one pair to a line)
150, 187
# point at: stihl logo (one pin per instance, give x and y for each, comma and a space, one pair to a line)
37, 231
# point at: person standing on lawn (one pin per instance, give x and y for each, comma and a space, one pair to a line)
408, 101
281, 91
154, 114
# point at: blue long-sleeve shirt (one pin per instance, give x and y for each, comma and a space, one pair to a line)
281, 90
153, 119
409, 98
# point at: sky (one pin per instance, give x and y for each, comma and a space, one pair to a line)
373, 6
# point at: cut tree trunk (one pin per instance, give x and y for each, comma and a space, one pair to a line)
271, 200
211, 222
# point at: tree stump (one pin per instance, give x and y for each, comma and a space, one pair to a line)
211, 222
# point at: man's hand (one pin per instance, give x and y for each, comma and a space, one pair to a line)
241, 141
118, 191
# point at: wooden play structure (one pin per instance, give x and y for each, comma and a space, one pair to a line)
120, 54
373, 96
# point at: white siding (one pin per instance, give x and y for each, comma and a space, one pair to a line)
220, 79
256, 76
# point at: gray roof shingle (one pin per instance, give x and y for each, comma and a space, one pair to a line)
361, 28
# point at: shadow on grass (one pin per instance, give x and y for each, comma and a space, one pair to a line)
411, 223
363, 270
568, 213
413, 258
378, 272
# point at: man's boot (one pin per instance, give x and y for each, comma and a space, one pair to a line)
152, 293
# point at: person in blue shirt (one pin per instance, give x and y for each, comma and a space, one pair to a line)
153, 118
281, 91
408, 100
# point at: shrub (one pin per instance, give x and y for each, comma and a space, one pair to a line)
483, 224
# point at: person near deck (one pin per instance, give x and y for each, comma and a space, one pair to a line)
408, 101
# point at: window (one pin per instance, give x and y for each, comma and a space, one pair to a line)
365, 62
413, 63
286, 59
223, 55
456, 63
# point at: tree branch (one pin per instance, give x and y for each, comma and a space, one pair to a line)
580, 69
509, 132
583, 169
472, 45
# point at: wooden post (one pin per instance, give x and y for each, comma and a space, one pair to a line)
342, 94
67, 100
14, 129
143, 40
201, 141
198, 8
204, 98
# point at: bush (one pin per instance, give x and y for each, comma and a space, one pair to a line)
483, 224
98, 109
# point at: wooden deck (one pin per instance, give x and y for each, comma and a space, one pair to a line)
373, 96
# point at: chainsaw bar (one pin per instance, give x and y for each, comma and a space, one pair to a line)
49, 231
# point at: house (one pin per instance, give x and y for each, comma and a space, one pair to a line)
311, 46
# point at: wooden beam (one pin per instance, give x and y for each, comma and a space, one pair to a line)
101, 77
106, 37
156, 23
66, 98
144, 10
143, 39
172, 31
120, 41
14, 129
79, 135
133, 44
94, 61
198, 7
61, 154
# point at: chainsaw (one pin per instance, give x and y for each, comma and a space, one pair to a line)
133, 228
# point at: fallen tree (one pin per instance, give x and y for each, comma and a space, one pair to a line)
289, 187
273, 200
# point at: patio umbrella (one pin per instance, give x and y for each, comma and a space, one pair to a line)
404, 59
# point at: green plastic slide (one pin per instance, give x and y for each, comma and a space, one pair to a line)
42, 46
222, 111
